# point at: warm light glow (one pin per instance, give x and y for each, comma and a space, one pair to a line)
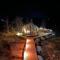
27, 46
24, 30
19, 34
27, 41
27, 31
25, 55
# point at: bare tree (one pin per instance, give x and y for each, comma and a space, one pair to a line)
19, 23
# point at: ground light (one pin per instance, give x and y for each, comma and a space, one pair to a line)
19, 34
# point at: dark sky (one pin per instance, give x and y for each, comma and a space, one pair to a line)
37, 9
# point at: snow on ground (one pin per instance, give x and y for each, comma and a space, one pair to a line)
40, 57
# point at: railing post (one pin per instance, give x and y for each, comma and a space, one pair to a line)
23, 50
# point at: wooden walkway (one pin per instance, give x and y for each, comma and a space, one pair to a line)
30, 50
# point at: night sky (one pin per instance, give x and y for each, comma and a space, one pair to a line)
39, 11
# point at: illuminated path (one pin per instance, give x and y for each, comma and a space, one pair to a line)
30, 50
